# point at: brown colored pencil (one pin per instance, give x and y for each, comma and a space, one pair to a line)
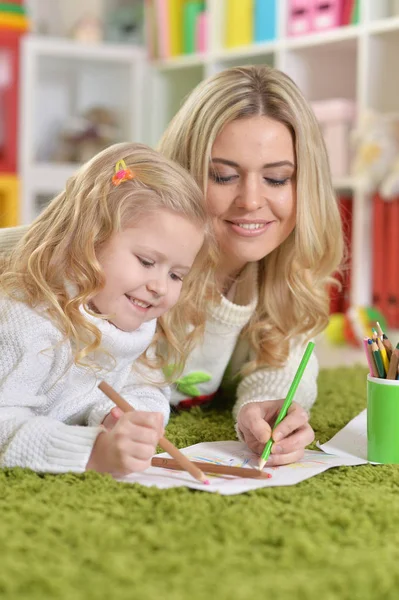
393, 365
379, 329
388, 346
165, 444
170, 463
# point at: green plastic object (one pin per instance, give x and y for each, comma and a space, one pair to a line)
382, 420
191, 12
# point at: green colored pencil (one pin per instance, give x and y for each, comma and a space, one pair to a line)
378, 360
288, 400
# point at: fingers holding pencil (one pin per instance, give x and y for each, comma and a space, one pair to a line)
163, 442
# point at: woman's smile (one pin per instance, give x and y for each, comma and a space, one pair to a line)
249, 228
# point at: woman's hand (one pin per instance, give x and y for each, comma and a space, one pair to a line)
291, 436
129, 445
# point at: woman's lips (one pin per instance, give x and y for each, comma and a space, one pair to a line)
249, 228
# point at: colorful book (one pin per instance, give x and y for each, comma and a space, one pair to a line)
201, 32
191, 12
162, 28
239, 22
355, 12
175, 8
150, 32
265, 20
347, 11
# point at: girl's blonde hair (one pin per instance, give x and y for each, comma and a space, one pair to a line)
60, 247
294, 278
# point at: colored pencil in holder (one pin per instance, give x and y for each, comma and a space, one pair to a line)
387, 345
386, 342
379, 329
378, 359
370, 358
394, 364
381, 348
165, 444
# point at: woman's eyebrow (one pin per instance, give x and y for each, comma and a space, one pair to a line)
230, 163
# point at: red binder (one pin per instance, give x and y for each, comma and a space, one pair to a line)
9, 45
346, 206
340, 299
347, 10
391, 260
378, 243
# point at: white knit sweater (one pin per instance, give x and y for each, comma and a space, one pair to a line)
221, 347
50, 409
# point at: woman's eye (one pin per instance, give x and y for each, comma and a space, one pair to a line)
146, 263
277, 182
222, 179
176, 277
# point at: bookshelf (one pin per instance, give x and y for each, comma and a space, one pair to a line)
355, 62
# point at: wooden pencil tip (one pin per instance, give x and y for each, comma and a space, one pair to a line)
261, 464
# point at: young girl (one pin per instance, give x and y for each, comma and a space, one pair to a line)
251, 141
81, 296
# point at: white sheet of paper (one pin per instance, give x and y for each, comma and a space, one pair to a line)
351, 441
237, 454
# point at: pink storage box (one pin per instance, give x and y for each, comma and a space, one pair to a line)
336, 118
299, 17
326, 14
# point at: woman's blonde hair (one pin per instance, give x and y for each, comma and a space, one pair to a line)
61, 244
294, 278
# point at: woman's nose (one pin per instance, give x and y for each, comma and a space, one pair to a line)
250, 196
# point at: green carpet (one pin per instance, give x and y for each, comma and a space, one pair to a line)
334, 536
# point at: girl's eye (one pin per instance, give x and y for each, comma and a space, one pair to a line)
220, 179
176, 277
146, 263
277, 182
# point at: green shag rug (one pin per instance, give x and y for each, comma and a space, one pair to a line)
84, 537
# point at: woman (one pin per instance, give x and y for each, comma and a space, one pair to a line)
251, 141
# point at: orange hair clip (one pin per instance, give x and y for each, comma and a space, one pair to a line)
122, 173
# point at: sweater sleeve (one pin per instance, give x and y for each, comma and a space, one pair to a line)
140, 393
28, 437
273, 384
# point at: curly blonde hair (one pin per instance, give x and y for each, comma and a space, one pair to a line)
295, 277
61, 246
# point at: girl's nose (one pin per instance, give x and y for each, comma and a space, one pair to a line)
157, 286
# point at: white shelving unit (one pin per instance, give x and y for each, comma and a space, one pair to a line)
356, 62
60, 78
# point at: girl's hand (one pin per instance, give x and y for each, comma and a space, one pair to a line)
291, 436
112, 418
129, 446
